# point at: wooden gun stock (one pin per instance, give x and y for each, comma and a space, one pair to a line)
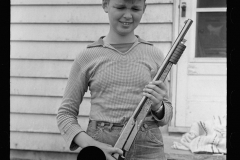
130, 130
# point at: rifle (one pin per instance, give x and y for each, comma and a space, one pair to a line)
133, 125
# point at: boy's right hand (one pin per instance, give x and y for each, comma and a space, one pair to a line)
108, 150
83, 140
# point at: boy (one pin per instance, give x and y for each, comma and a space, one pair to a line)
117, 69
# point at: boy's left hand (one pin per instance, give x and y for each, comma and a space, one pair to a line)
155, 91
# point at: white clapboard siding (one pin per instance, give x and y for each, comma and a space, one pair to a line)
57, 50
80, 14
41, 123
16, 154
46, 36
46, 50
43, 105
38, 86
40, 68
38, 142
72, 2
83, 32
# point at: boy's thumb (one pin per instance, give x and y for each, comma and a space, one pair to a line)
119, 151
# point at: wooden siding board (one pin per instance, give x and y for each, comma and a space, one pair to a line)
43, 105
46, 50
71, 2
41, 123
83, 32
80, 14
38, 142
40, 68
38, 86
57, 50
16, 154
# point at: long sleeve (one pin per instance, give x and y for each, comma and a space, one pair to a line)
69, 109
168, 113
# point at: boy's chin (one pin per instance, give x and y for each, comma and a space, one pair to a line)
125, 32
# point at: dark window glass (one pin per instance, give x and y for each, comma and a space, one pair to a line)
211, 3
211, 34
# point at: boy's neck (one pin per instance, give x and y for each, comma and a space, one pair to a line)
118, 39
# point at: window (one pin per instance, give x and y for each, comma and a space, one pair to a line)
211, 28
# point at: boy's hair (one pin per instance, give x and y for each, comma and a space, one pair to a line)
133, 1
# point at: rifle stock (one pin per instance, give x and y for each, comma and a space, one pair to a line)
130, 130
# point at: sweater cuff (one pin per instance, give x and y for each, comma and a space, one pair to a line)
155, 113
70, 134
167, 115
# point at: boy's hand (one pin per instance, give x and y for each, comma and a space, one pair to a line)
155, 91
84, 140
108, 150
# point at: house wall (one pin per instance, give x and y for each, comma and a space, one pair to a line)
46, 36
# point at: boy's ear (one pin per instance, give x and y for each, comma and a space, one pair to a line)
105, 5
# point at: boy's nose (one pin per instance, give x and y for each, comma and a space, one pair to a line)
127, 15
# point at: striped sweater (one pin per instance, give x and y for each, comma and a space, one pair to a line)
115, 80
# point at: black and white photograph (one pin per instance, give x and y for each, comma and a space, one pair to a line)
118, 79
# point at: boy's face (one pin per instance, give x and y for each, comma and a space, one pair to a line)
124, 16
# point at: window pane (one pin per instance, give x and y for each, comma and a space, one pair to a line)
211, 3
211, 34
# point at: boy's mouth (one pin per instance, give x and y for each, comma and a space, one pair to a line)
126, 23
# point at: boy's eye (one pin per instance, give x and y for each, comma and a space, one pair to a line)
120, 7
135, 9
123, 7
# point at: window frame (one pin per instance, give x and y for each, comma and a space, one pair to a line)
194, 12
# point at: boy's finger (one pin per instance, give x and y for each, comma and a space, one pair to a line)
152, 92
155, 88
119, 151
150, 96
160, 84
